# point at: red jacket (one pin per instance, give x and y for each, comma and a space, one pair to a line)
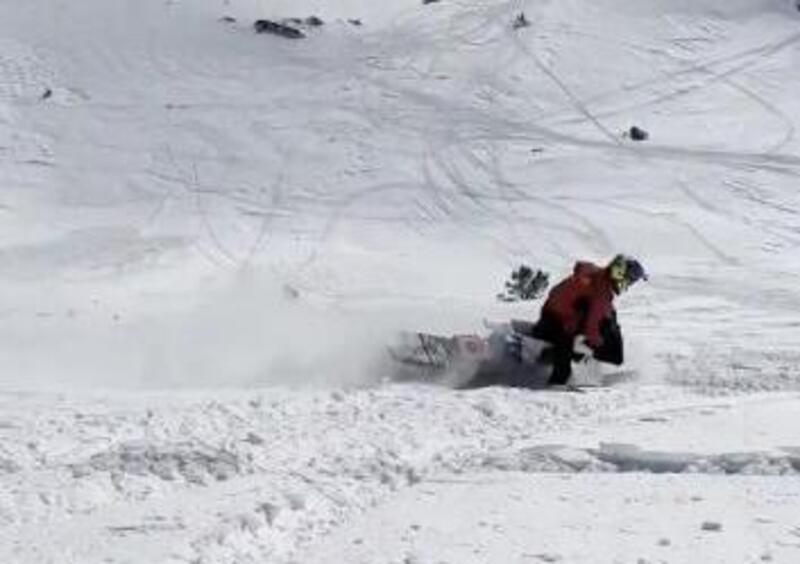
581, 301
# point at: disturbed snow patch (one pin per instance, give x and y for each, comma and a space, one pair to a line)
616, 457
736, 371
249, 475
191, 462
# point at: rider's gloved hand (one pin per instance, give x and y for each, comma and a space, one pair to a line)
582, 350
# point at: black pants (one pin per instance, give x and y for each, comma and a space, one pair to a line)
611, 351
549, 329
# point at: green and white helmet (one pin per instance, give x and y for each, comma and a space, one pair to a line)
624, 271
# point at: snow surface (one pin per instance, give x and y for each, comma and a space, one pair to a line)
207, 235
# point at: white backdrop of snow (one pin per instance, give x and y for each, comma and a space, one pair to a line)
185, 175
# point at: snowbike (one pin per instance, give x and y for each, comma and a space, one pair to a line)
509, 356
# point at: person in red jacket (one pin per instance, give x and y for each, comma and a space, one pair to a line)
583, 304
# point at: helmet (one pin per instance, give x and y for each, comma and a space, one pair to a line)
624, 271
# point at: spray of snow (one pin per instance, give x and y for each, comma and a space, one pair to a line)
247, 331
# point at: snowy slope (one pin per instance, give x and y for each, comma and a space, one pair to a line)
207, 234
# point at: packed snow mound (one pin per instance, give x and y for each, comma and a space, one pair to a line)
610, 457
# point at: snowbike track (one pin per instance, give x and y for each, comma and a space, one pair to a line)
707, 68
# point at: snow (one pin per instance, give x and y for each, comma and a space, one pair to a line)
207, 235
606, 518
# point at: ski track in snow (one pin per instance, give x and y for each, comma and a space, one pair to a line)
186, 204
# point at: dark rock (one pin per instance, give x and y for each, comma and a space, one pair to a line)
520, 21
355, 22
314, 21
279, 29
227, 19
638, 134
548, 557
430, 1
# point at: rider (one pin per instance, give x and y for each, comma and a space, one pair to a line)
583, 304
